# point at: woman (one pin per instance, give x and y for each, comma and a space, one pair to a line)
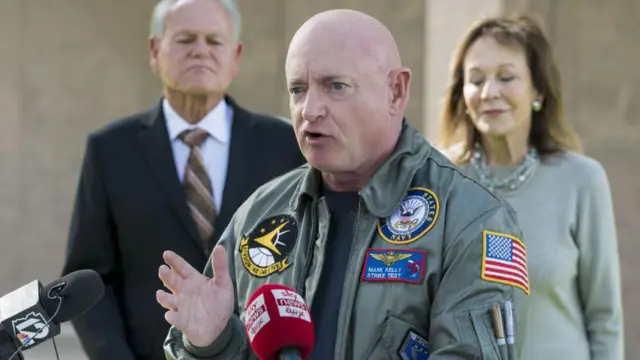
502, 123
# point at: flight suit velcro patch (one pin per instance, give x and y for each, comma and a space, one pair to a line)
414, 347
504, 260
267, 248
394, 265
416, 215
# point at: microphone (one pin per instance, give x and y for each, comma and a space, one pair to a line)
31, 314
278, 324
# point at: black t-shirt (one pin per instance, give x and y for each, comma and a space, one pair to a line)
343, 207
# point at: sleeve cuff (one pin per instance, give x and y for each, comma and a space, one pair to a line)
219, 344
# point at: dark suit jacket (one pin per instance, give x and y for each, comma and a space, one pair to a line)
130, 208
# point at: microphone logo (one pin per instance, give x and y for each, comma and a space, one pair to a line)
291, 304
26, 328
257, 317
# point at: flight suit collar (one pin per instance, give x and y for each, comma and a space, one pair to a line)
307, 189
386, 189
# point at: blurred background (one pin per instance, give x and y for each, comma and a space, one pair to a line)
70, 66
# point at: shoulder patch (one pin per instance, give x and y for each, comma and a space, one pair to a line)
266, 249
415, 216
504, 260
394, 265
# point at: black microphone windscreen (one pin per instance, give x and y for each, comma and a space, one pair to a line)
80, 291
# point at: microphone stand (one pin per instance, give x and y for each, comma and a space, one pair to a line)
289, 353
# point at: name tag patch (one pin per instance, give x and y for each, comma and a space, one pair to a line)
414, 347
394, 265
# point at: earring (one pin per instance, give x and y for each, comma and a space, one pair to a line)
536, 105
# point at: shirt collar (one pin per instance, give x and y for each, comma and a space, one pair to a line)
217, 122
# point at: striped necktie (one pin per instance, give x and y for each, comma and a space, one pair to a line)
197, 185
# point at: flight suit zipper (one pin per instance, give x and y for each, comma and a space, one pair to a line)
344, 314
301, 288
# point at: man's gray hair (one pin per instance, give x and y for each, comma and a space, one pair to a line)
163, 7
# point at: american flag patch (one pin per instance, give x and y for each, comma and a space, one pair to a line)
504, 260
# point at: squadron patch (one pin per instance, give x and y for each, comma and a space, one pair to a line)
406, 265
267, 248
416, 215
414, 347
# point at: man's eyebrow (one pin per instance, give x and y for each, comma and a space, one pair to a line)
334, 78
323, 79
183, 33
195, 33
296, 82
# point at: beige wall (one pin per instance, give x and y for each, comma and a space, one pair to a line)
68, 67
277, 20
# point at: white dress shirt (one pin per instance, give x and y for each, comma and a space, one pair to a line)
215, 149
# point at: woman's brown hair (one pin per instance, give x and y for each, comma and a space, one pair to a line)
550, 132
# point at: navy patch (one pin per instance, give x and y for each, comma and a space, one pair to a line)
416, 215
405, 265
266, 249
414, 347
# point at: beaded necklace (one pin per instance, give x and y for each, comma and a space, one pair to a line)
514, 180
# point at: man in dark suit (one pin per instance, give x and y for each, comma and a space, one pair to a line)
170, 177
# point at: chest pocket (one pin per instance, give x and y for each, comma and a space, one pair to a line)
398, 340
476, 323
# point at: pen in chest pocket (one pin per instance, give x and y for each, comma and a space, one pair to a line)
510, 331
498, 328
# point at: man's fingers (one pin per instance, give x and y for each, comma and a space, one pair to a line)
220, 263
174, 318
170, 279
166, 300
178, 264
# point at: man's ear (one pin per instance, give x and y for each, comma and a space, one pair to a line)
400, 83
237, 58
154, 48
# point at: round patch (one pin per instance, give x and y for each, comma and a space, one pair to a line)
267, 248
416, 215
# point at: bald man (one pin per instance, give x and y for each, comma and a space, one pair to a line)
398, 254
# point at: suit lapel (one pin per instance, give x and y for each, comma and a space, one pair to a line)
154, 141
239, 156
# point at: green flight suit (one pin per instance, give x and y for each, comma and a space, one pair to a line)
422, 269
